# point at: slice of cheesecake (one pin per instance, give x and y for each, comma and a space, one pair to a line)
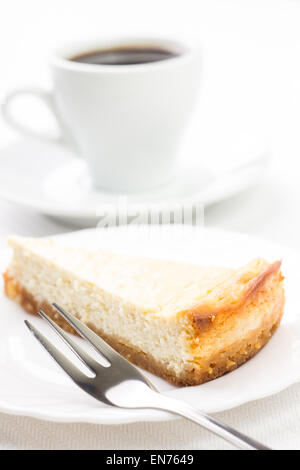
186, 323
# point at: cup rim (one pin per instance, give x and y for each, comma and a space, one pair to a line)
61, 57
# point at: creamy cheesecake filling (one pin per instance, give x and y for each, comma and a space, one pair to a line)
240, 309
164, 340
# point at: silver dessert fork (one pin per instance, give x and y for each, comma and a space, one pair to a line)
122, 385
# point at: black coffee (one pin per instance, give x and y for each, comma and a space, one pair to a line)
125, 56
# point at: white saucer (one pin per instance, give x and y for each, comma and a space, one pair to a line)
33, 385
50, 180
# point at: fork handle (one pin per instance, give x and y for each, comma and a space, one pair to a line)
239, 440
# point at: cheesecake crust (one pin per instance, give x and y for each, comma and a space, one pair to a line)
234, 356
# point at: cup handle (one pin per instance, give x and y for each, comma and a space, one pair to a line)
48, 100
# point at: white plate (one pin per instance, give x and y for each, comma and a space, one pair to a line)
33, 385
49, 179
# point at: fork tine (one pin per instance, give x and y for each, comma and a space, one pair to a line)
87, 360
75, 374
98, 343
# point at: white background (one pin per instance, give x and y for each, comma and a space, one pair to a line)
250, 79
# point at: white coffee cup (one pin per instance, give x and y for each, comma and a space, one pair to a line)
126, 121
